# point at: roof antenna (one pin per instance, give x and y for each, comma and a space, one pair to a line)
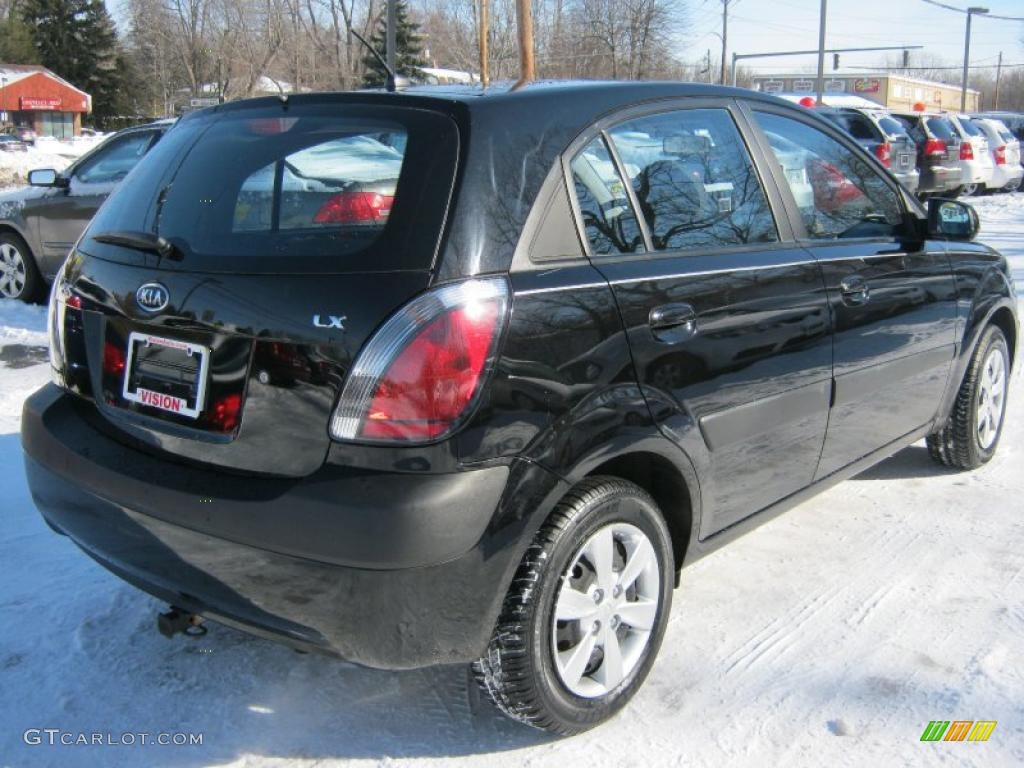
390, 84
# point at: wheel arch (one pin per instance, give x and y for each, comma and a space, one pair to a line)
670, 490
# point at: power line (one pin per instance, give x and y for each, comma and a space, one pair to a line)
964, 10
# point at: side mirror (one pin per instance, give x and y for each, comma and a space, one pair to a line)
952, 220
46, 177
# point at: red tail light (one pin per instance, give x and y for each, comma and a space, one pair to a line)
418, 376
223, 414
113, 359
355, 208
1001, 155
935, 147
883, 152
966, 151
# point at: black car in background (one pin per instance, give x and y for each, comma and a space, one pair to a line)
938, 151
39, 223
452, 376
883, 136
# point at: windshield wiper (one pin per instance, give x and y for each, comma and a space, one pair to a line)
140, 241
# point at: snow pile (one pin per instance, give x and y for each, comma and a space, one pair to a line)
22, 323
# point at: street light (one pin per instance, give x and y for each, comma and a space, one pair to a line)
967, 54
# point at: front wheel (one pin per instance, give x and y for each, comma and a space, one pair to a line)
971, 435
586, 612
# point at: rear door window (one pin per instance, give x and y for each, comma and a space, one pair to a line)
694, 181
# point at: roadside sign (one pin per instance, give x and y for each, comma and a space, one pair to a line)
209, 101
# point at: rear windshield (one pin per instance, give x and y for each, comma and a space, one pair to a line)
940, 127
969, 127
308, 187
891, 126
1002, 131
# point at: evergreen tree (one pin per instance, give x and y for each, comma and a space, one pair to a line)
408, 47
77, 40
16, 46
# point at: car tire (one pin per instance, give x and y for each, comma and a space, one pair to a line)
19, 275
568, 691
971, 190
971, 434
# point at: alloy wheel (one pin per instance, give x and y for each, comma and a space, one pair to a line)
12, 272
605, 610
991, 397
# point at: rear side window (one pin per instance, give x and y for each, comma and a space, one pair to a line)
306, 187
940, 128
694, 180
608, 217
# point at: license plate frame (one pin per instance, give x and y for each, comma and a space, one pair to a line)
159, 400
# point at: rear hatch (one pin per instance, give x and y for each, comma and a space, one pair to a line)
942, 129
214, 306
976, 138
903, 157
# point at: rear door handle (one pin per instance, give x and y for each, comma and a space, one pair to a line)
855, 290
673, 322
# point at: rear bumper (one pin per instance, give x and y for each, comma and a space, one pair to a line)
940, 178
384, 569
975, 172
909, 179
1005, 175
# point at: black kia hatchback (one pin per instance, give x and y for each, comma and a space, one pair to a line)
447, 376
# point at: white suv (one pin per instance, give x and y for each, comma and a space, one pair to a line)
976, 163
1007, 170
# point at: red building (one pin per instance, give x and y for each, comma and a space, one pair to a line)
32, 96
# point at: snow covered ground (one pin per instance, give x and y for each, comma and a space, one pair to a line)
829, 637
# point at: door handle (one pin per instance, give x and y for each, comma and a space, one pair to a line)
855, 290
673, 322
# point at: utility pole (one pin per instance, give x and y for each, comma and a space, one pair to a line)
391, 39
524, 23
485, 77
967, 54
725, 35
999, 75
711, 77
821, 53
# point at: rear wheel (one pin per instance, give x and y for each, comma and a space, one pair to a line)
969, 190
586, 612
19, 277
971, 435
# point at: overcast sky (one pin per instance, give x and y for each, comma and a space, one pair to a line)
778, 25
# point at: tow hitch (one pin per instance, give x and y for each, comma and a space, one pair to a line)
176, 620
